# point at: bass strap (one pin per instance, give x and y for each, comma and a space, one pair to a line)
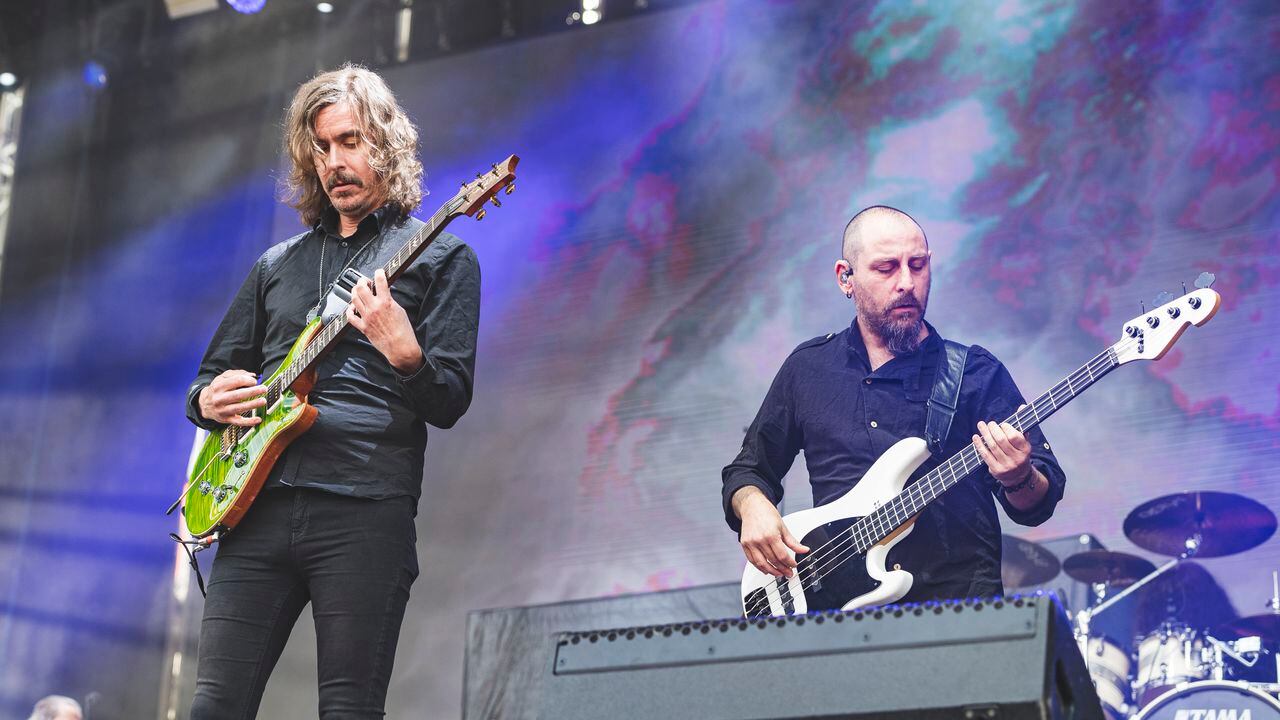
941, 408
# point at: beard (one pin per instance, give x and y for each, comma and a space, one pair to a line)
350, 204
900, 335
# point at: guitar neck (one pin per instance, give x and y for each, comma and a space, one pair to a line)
937, 481
329, 333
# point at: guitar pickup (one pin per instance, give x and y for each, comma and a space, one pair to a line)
339, 297
346, 284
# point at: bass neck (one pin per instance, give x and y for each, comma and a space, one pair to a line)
934, 483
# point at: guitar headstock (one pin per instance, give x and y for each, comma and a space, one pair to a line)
473, 195
1150, 335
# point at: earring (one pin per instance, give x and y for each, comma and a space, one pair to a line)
849, 294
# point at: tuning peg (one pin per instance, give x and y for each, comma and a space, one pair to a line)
462, 186
1163, 298
1205, 280
495, 201
480, 215
511, 187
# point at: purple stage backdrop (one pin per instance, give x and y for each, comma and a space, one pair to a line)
684, 181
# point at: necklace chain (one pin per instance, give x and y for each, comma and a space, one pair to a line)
324, 242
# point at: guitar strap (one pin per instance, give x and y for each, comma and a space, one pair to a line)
941, 408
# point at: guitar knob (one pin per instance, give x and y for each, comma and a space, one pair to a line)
240, 459
1194, 302
1174, 311
205, 487
220, 494
1153, 321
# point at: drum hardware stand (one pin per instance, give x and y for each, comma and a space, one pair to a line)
1086, 615
1245, 651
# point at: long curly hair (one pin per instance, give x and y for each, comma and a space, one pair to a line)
390, 135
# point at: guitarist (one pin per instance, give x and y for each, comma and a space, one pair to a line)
846, 398
334, 525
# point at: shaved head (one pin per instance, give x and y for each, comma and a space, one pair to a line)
867, 221
884, 268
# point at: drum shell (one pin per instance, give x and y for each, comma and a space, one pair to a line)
1225, 698
1108, 666
1168, 657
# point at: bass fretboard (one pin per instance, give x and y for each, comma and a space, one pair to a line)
879, 524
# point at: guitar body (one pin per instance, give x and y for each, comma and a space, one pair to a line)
232, 466
862, 579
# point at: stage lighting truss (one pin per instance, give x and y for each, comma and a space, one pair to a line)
10, 117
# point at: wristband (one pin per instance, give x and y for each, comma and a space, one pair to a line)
1027, 482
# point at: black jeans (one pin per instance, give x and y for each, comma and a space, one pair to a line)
353, 559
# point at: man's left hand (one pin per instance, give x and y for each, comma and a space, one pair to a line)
1005, 451
376, 314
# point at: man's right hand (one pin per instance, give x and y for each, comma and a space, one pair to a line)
765, 539
229, 395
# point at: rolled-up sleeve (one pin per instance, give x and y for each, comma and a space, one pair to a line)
770, 447
1001, 400
446, 325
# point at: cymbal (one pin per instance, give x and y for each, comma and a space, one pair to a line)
1224, 523
1266, 626
1117, 569
1024, 563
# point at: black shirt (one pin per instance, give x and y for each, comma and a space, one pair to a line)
827, 402
370, 435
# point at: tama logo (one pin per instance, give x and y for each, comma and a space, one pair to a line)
1217, 714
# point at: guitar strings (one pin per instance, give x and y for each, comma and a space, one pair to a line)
886, 519
279, 385
330, 329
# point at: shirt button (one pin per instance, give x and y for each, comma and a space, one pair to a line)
873, 424
1046, 446
867, 381
343, 243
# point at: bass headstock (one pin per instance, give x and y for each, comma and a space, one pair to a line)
1150, 335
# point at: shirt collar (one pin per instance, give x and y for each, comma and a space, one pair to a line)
374, 222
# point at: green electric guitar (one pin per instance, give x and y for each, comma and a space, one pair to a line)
233, 463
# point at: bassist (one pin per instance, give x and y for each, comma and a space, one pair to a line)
844, 399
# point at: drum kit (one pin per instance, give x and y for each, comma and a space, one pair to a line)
1183, 662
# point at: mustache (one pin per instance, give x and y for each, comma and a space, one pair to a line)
341, 178
910, 301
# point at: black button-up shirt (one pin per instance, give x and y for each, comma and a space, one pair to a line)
828, 402
370, 435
